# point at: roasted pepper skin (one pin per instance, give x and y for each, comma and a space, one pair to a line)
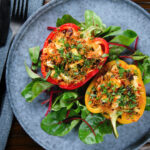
88, 76
125, 117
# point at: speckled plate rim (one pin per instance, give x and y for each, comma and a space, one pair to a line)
22, 31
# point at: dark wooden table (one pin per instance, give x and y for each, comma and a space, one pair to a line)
19, 140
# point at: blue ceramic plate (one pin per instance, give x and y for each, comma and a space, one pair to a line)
122, 13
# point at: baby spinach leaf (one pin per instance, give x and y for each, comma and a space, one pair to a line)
34, 54
34, 88
69, 95
66, 99
84, 112
66, 19
31, 73
56, 105
127, 37
147, 103
53, 123
91, 19
100, 127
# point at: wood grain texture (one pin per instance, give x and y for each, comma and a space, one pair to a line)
19, 140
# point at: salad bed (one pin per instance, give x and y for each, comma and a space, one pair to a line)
67, 107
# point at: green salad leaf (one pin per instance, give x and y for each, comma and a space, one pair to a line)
34, 88
111, 31
31, 74
53, 123
143, 62
100, 125
34, 54
84, 112
67, 110
66, 19
91, 19
145, 69
66, 99
138, 55
127, 37
147, 103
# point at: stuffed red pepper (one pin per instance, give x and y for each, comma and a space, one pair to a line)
71, 57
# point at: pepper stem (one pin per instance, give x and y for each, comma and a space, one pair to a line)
113, 119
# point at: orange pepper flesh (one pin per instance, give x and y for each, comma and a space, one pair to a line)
108, 112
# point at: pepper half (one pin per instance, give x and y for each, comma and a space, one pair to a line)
89, 75
122, 95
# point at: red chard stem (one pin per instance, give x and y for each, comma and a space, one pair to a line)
51, 28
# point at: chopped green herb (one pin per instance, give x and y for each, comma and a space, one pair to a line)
105, 55
109, 84
87, 63
67, 45
131, 105
76, 73
90, 102
93, 95
93, 88
57, 70
62, 40
119, 113
105, 100
73, 46
91, 38
121, 71
76, 57
88, 93
81, 35
55, 75
61, 51
68, 55
48, 74
79, 46
97, 98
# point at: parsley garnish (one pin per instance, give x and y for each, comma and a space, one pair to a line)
48, 74
67, 45
61, 51
105, 55
79, 46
